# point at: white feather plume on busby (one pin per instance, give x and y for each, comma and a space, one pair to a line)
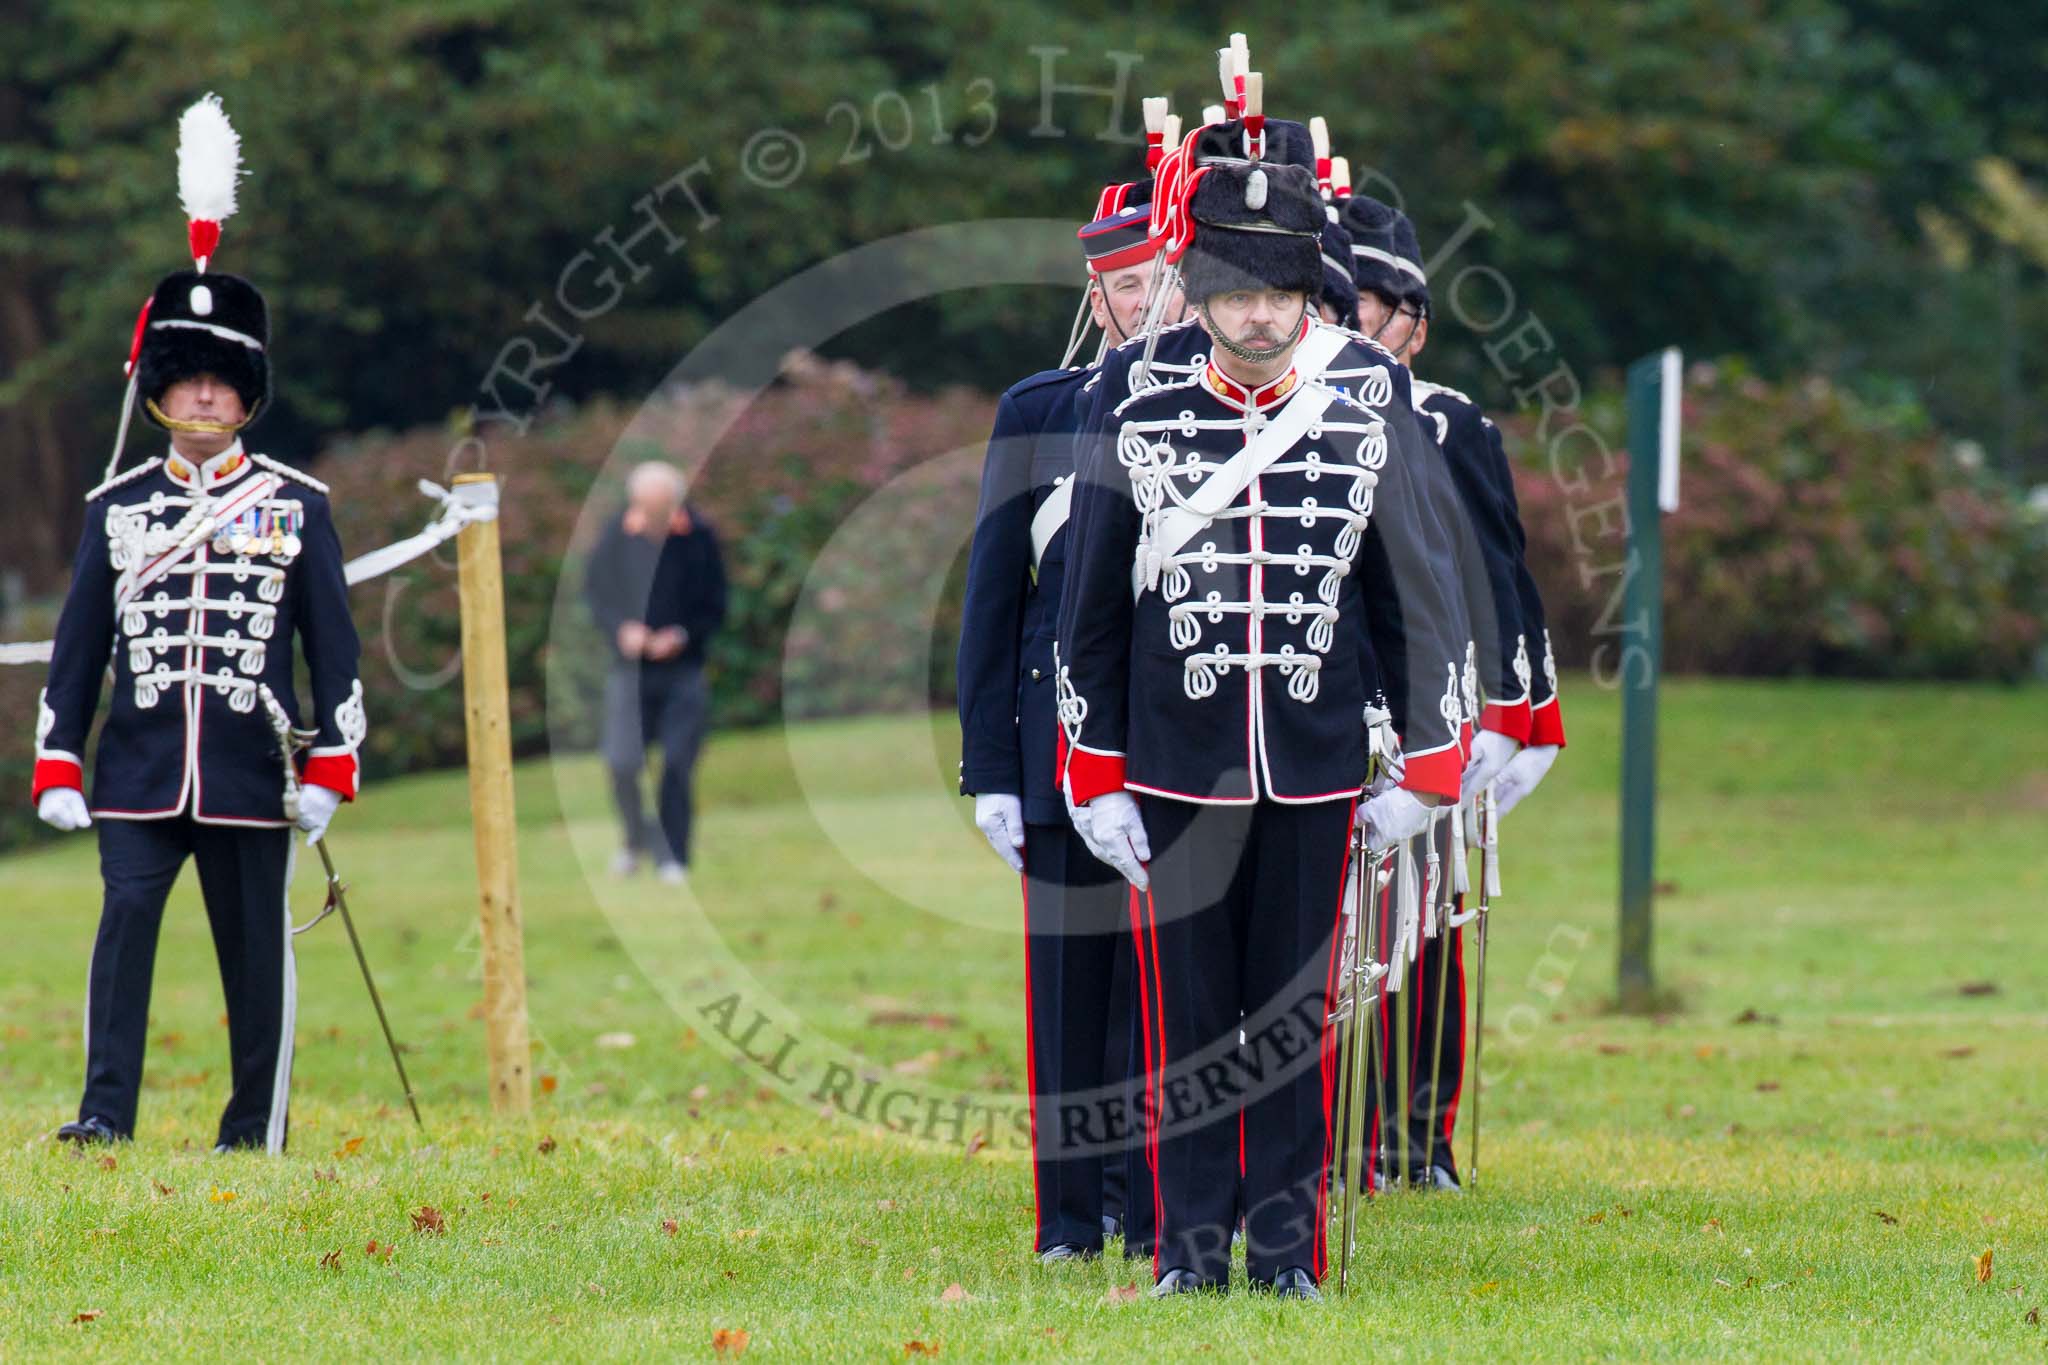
209, 162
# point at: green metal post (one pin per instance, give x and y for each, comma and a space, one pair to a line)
1652, 489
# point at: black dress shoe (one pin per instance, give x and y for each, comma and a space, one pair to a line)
1066, 1251
1439, 1178
88, 1131
1183, 1281
1112, 1226
1292, 1283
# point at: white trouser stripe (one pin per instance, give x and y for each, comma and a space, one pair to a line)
281, 1082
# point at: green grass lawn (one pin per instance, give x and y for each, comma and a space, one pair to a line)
1805, 1158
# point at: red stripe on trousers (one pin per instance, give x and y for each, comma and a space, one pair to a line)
1157, 1087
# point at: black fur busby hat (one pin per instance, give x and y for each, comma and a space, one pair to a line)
1340, 289
1257, 225
1286, 142
1378, 261
204, 324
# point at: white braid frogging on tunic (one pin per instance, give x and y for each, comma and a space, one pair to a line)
1164, 477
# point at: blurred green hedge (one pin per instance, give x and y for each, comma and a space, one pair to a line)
1816, 534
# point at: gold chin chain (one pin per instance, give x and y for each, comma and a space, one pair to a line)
180, 424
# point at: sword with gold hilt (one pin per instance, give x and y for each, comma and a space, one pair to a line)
289, 741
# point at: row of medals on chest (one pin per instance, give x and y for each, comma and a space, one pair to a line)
272, 531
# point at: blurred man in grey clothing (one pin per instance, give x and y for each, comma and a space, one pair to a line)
656, 586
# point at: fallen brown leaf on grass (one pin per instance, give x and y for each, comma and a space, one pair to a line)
885, 1206
350, 1147
2034, 1316
930, 1019
108, 1163
548, 1083
954, 1294
380, 1251
976, 1143
1885, 1218
1711, 1225
909, 1272
1984, 1267
742, 1234
163, 1191
329, 1174
670, 1226
546, 1145
1122, 1293
914, 1347
88, 1314
919, 1065
1480, 1291
731, 1341
1613, 1050
1958, 1052
1598, 1216
1978, 988
426, 1218
332, 1260
221, 1196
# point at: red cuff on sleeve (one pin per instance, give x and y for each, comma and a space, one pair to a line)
1087, 774
1510, 719
55, 772
1465, 738
1546, 723
336, 772
1436, 772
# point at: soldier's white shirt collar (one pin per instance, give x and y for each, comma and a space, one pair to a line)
218, 472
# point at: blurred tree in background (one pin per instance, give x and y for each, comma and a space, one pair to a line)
1840, 187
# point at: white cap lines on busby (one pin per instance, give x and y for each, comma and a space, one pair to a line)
1377, 253
1408, 248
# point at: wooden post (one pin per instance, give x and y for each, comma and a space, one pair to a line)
485, 697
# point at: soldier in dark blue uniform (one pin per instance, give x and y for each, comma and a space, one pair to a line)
197, 570
1507, 611
1229, 526
1079, 978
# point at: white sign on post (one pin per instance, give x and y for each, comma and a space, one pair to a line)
1668, 395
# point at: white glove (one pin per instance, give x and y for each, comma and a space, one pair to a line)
1000, 818
1520, 777
1395, 814
317, 805
1491, 751
63, 808
1115, 833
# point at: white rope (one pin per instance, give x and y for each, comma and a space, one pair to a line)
463, 505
